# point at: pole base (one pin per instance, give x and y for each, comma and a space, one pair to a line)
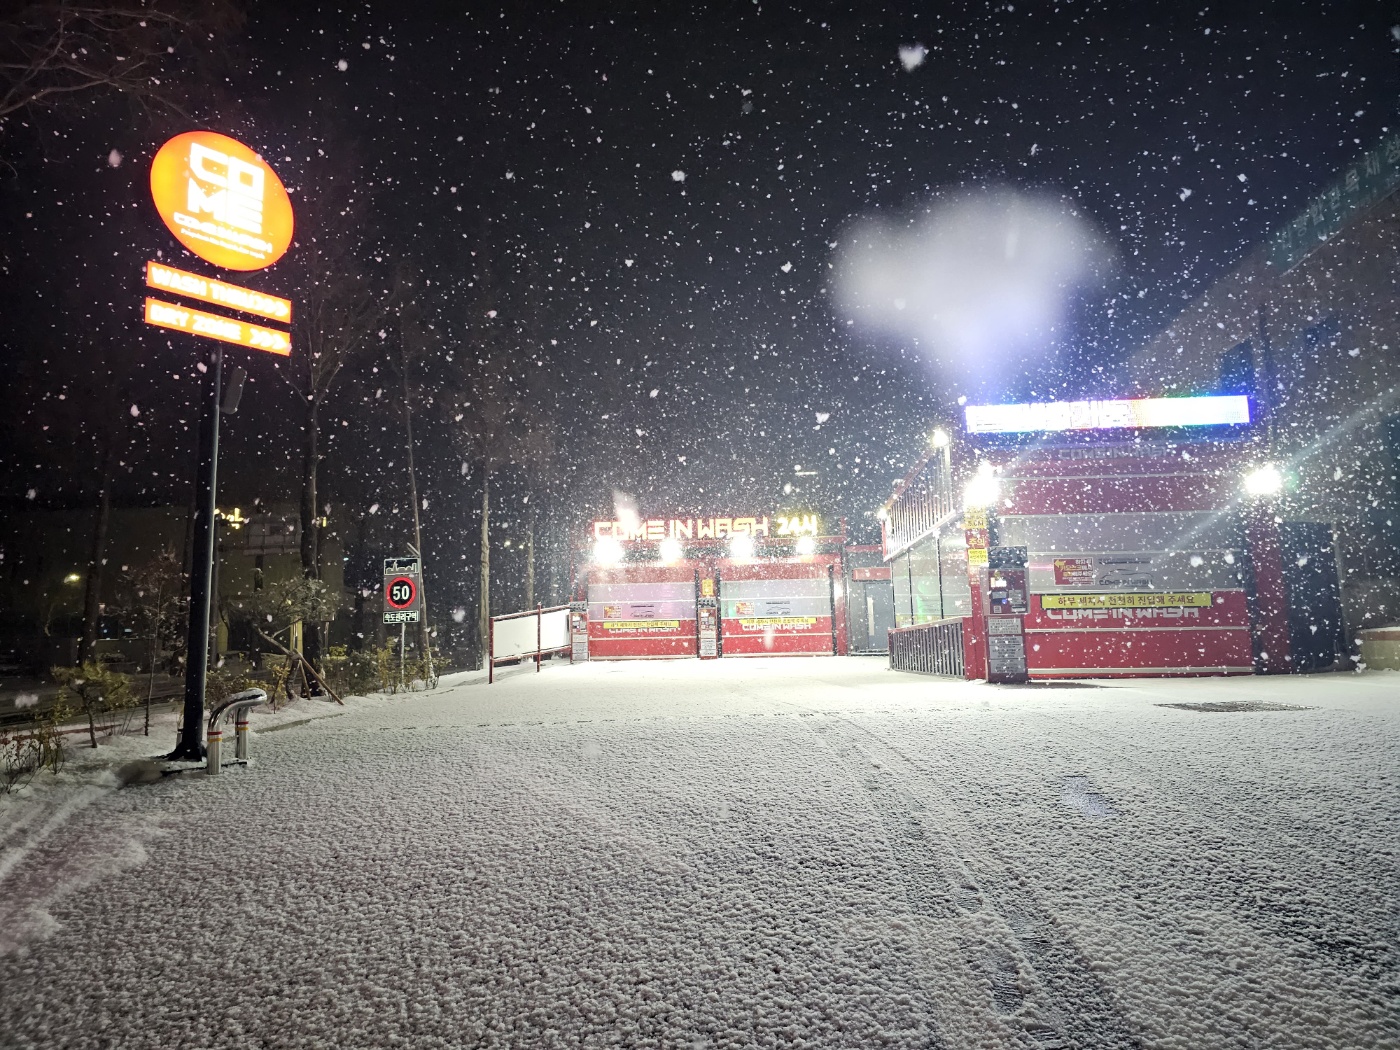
185, 754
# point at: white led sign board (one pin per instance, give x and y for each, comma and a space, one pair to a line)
1051, 416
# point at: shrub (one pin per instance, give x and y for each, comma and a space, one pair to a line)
97, 690
352, 672
23, 755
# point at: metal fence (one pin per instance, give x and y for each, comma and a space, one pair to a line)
929, 648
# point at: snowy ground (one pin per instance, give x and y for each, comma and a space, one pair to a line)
734, 854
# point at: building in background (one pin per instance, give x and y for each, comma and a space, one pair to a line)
724, 586
1106, 538
1307, 326
44, 567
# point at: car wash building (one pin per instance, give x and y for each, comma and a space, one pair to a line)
711, 587
1105, 539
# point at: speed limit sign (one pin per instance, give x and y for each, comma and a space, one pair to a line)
403, 590
401, 593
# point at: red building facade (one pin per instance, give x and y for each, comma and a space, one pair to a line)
1106, 549
669, 588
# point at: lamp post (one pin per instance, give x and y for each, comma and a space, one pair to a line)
1266, 590
190, 746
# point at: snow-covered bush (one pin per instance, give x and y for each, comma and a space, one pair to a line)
24, 754
97, 689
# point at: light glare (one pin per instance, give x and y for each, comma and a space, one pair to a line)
983, 490
1265, 481
607, 551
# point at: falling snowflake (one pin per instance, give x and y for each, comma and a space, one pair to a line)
912, 56
678, 175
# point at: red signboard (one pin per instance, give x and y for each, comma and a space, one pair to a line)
1074, 572
1150, 640
871, 572
769, 608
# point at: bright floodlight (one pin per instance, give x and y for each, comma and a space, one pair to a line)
1264, 481
939, 438
607, 551
806, 545
670, 550
983, 490
741, 545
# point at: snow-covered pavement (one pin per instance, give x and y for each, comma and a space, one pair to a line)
795, 852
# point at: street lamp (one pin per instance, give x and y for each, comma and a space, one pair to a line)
607, 551
670, 550
741, 545
806, 545
983, 490
1266, 480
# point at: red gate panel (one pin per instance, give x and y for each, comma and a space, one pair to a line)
1079, 643
641, 611
772, 609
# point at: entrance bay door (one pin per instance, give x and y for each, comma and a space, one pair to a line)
769, 609
641, 611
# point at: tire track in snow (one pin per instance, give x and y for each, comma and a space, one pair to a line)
1252, 888
1045, 993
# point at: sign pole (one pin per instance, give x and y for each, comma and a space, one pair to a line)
191, 744
403, 638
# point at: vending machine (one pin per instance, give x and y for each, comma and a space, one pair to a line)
707, 624
1008, 602
578, 631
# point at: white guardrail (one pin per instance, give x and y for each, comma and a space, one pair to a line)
518, 636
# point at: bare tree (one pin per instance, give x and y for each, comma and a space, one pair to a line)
417, 337
154, 599
337, 315
500, 414
273, 611
54, 50
500, 428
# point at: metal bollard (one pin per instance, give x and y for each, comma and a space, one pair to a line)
240, 735
213, 744
240, 705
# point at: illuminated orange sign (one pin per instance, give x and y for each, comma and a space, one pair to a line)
708, 528
212, 326
208, 290
221, 201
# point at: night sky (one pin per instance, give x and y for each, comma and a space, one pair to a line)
651, 201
